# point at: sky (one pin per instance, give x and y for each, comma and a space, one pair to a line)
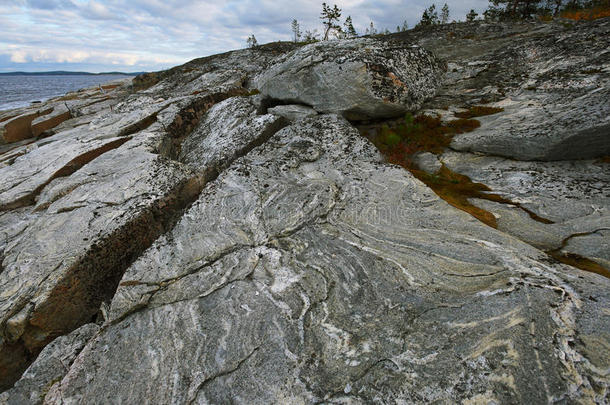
150, 35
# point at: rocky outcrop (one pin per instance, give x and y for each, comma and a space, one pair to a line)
37, 120
187, 240
552, 82
334, 286
359, 78
551, 79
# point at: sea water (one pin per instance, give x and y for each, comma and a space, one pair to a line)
19, 91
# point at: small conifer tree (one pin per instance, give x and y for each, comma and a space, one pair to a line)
330, 17
350, 31
445, 14
371, 30
471, 16
429, 17
252, 42
296, 31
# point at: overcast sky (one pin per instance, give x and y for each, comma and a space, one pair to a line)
145, 35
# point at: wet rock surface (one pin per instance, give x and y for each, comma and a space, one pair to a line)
184, 240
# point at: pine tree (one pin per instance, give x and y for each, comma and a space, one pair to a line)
405, 26
296, 30
445, 14
517, 8
350, 31
330, 18
252, 42
429, 17
471, 16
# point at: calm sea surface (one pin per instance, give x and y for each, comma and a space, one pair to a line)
20, 91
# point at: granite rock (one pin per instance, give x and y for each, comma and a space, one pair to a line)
359, 78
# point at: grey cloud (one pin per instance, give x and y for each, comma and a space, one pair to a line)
154, 31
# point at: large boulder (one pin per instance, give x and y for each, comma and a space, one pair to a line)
360, 78
546, 124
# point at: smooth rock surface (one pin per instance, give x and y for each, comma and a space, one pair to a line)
359, 78
428, 162
574, 195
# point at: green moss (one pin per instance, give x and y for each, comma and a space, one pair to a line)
401, 140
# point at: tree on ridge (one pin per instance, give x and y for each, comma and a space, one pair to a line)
330, 17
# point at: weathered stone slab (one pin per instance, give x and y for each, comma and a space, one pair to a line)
360, 78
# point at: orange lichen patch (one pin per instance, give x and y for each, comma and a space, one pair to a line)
580, 262
110, 86
478, 111
604, 159
396, 80
587, 14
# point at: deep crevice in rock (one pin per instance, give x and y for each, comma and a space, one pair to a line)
94, 279
188, 118
139, 125
269, 102
576, 260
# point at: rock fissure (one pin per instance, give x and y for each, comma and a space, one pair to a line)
93, 279
221, 374
362, 283
67, 170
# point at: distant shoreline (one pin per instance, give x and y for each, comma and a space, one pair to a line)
66, 73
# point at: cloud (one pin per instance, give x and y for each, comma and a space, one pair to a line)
161, 33
98, 11
49, 4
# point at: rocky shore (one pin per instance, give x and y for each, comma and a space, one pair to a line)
239, 229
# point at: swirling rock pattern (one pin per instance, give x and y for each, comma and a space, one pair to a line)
340, 280
184, 244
